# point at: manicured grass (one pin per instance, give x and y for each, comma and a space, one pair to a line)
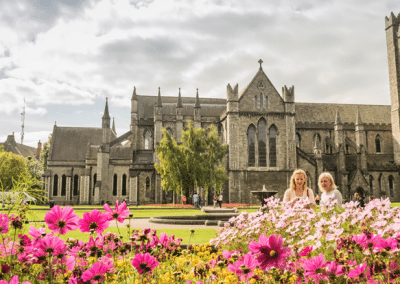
200, 236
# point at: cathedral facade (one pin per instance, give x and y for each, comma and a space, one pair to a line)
269, 135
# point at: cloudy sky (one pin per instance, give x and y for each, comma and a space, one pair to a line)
65, 57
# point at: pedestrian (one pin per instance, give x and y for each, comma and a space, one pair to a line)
183, 199
220, 200
195, 200
359, 198
215, 200
317, 199
200, 202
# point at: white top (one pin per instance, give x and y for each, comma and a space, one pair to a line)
331, 195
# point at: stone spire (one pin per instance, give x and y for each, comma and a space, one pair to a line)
261, 62
134, 96
337, 119
159, 103
106, 116
179, 104
197, 103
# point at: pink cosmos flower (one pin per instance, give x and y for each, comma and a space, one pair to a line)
118, 214
270, 251
314, 267
94, 220
61, 220
243, 268
358, 271
51, 245
306, 251
334, 270
96, 273
144, 263
4, 223
14, 280
37, 233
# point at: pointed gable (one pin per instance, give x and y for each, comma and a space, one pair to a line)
260, 95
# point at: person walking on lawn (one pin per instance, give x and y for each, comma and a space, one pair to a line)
195, 200
220, 200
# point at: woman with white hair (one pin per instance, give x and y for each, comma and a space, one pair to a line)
329, 190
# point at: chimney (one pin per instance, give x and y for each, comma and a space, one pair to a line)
11, 138
39, 148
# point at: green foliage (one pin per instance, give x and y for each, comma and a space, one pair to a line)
1, 148
34, 167
12, 166
197, 161
44, 154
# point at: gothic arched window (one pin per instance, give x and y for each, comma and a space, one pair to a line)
251, 140
255, 102
261, 100
115, 183
391, 182
64, 185
76, 184
94, 182
371, 188
55, 185
147, 140
170, 132
272, 146
266, 101
124, 184
378, 143
262, 143
147, 187
298, 140
317, 140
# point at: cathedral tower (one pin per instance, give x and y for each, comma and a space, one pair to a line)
392, 25
134, 119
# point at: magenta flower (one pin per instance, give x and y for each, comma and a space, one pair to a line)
306, 251
61, 220
4, 223
14, 280
315, 267
334, 270
357, 272
51, 245
94, 220
270, 251
144, 263
96, 273
118, 214
243, 268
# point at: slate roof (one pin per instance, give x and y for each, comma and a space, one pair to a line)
10, 145
209, 106
70, 143
320, 113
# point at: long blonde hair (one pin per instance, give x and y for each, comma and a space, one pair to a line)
328, 176
292, 181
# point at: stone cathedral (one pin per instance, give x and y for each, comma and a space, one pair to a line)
269, 135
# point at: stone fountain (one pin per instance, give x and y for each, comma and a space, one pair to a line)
264, 194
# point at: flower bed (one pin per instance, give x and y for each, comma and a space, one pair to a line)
177, 205
283, 245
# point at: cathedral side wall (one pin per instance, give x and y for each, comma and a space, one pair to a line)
386, 141
145, 196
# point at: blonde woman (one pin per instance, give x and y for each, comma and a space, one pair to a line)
329, 190
298, 188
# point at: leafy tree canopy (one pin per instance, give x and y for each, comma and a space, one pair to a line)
197, 161
12, 166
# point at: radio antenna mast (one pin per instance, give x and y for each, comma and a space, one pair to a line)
23, 123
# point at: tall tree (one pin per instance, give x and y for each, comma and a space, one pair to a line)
197, 161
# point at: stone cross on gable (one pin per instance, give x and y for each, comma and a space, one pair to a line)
260, 61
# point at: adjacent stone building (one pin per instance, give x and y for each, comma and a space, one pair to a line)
269, 135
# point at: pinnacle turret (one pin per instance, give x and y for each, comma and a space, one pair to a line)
106, 114
179, 104
134, 96
337, 120
113, 127
197, 103
159, 103
358, 119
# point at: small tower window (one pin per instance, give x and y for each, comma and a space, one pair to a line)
170, 132
266, 101
148, 187
147, 140
378, 143
261, 100
371, 188
262, 143
115, 183
298, 139
391, 182
55, 185
255, 102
